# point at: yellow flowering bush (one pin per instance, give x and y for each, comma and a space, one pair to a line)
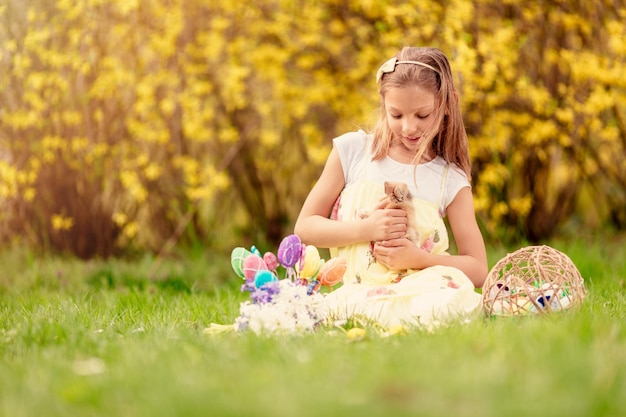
125, 123
549, 115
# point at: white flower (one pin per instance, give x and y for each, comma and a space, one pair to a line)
289, 311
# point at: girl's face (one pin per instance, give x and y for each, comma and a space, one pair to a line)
410, 112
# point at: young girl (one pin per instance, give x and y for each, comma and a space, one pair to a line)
420, 140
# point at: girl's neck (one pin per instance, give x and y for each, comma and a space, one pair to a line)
400, 154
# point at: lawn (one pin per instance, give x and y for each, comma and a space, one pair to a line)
103, 338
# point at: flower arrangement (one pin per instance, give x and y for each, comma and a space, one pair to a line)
293, 303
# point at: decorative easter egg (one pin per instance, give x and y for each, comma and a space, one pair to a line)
310, 263
546, 300
270, 260
398, 329
254, 250
262, 277
356, 334
501, 306
313, 286
320, 264
302, 254
332, 271
237, 257
289, 251
522, 305
251, 265
564, 302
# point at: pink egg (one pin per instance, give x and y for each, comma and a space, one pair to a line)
251, 265
302, 255
271, 261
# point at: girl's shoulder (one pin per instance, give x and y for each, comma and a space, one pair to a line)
453, 180
351, 147
356, 139
454, 172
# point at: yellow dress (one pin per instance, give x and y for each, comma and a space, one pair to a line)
427, 297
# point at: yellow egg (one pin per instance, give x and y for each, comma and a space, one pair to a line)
356, 334
311, 262
397, 329
501, 307
523, 305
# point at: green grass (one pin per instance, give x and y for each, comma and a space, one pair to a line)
106, 339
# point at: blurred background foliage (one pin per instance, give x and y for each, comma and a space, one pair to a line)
130, 125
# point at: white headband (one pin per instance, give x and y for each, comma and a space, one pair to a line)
390, 66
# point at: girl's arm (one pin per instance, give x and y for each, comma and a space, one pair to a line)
472, 256
314, 227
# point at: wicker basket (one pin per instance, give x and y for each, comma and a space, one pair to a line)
532, 280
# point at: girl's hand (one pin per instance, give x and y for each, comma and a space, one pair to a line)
386, 224
398, 254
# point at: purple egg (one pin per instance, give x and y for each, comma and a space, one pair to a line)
289, 251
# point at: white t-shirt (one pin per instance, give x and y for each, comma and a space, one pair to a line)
425, 181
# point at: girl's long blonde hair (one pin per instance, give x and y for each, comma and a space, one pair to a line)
447, 138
